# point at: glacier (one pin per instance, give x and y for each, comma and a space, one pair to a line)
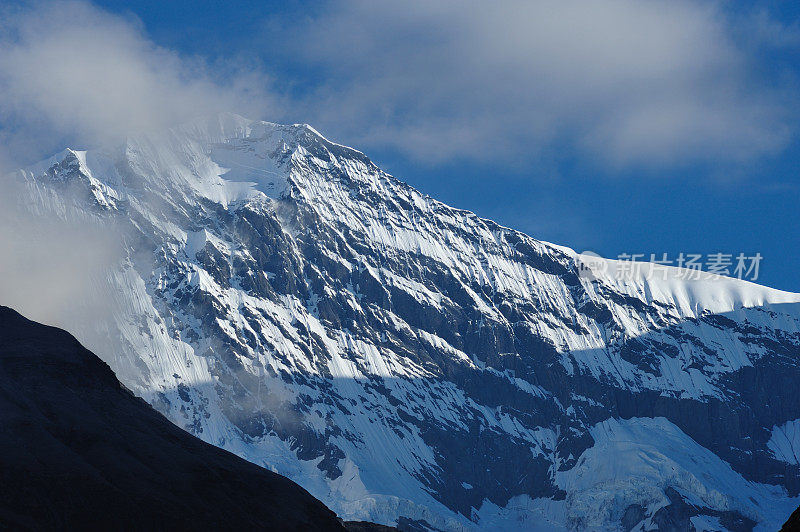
413, 364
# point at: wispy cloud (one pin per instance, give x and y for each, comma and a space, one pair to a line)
71, 73
626, 82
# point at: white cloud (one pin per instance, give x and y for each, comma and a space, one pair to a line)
626, 81
71, 73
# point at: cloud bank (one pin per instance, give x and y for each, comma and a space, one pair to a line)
659, 83
73, 75
626, 82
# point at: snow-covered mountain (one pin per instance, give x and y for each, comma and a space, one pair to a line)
410, 363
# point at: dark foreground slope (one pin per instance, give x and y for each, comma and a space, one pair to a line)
78, 450
793, 523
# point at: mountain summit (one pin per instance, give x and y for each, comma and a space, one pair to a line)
410, 363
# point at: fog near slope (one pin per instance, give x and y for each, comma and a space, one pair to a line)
54, 269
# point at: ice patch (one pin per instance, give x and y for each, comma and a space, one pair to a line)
785, 442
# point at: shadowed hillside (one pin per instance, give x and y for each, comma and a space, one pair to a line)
78, 450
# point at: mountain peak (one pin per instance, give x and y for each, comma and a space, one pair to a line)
222, 157
295, 304
226, 126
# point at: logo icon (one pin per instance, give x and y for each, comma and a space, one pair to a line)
590, 265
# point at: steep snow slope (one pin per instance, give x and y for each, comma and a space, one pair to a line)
285, 299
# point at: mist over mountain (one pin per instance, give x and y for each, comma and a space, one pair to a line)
280, 296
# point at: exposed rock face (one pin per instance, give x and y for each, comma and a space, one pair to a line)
78, 451
292, 303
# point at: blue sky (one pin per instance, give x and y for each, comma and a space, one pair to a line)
616, 126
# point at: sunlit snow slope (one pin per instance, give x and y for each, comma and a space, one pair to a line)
409, 362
